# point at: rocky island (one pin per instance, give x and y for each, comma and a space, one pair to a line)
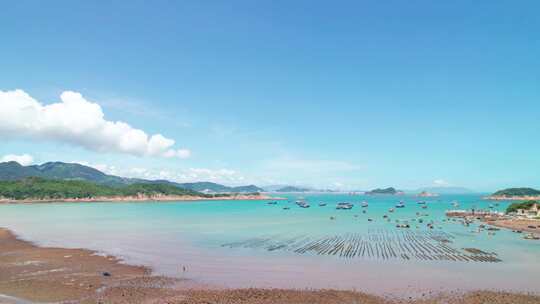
386, 191
516, 194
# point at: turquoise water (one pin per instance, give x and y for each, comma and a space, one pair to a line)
169, 235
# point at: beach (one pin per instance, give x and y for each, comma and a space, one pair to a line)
30, 273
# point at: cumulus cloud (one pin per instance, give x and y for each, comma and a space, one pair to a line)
23, 159
79, 122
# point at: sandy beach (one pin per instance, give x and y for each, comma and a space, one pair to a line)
32, 274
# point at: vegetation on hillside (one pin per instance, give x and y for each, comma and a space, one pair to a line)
517, 192
40, 188
389, 190
522, 205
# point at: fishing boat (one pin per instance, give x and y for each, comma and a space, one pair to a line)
344, 206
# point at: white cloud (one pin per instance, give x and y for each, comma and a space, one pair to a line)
441, 183
79, 122
24, 159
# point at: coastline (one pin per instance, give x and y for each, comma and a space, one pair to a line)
143, 198
523, 225
41, 274
511, 198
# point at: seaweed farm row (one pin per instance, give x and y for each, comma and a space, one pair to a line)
377, 244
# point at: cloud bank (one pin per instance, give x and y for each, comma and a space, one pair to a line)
23, 159
79, 122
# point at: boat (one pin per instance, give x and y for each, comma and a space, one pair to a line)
286, 208
272, 203
424, 207
364, 204
422, 203
344, 206
400, 205
322, 204
531, 236
391, 210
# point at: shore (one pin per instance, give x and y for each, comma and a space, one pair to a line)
524, 225
33, 274
143, 198
511, 198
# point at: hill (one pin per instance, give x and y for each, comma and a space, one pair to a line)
292, 189
11, 171
517, 192
40, 188
387, 191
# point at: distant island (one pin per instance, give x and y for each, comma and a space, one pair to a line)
292, 189
515, 194
386, 191
427, 194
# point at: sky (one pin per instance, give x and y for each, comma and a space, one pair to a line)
327, 94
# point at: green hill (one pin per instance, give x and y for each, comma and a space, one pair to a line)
292, 189
517, 192
11, 171
388, 191
523, 205
40, 188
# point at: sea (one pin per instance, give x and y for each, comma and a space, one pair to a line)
379, 249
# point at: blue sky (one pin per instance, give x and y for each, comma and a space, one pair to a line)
341, 94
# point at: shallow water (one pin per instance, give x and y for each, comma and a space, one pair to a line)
171, 235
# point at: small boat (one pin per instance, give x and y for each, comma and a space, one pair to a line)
403, 225
286, 208
424, 207
304, 205
344, 206
391, 210
364, 204
272, 203
400, 205
332, 218
531, 236
422, 203
322, 204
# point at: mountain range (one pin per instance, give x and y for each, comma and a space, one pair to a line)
72, 171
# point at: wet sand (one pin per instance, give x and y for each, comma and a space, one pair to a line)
29, 273
524, 225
